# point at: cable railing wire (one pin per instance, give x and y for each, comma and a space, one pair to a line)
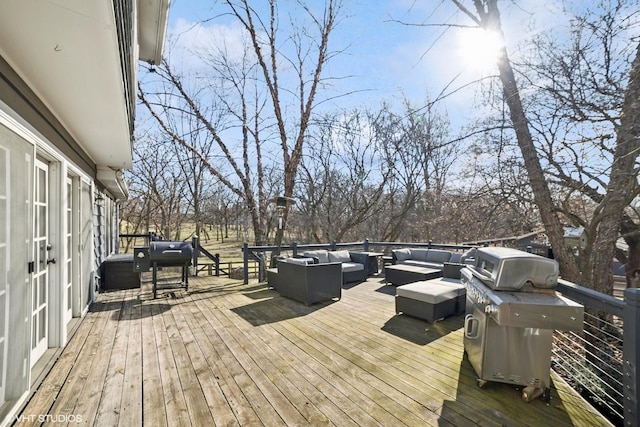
559, 350
592, 362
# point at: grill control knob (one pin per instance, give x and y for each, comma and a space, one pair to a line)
491, 309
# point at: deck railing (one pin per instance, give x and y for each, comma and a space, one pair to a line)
260, 254
602, 363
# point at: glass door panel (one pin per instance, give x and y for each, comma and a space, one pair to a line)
40, 279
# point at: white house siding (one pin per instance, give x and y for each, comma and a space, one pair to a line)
75, 205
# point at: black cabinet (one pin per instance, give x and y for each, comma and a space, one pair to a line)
117, 273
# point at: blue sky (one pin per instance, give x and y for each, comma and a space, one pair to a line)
388, 60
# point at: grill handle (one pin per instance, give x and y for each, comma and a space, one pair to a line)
471, 327
172, 251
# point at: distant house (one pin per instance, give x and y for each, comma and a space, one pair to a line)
67, 103
535, 242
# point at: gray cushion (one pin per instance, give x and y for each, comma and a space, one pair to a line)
470, 254
402, 254
351, 266
456, 257
419, 254
435, 255
321, 254
339, 256
301, 261
431, 291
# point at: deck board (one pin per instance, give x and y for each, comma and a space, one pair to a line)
229, 354
153, 412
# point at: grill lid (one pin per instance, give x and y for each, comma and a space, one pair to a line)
514, 270
170, 253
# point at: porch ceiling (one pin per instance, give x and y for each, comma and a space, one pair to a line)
67, 52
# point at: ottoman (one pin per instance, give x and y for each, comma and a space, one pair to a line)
401, 274
431, 300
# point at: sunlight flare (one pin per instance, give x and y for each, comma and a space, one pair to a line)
480, 49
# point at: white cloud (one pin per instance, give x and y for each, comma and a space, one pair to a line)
188, 42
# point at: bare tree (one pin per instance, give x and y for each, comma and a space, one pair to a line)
195, 175
344, 182
584, 113
158, 188
619, 189
245, 101
487, 17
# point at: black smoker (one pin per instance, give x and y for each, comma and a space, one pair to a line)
164, 254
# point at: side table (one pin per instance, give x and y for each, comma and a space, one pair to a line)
373, 260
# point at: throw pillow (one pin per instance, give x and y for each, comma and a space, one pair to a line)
339, 256
321, 254
402, 254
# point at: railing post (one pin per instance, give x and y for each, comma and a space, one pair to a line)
217, 262
631, 355
261, 267
245, 256
365, 246
333, 245
195, 243
294, 249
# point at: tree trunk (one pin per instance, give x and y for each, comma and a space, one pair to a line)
490, 21
620, 190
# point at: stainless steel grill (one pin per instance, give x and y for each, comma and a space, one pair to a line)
512, 310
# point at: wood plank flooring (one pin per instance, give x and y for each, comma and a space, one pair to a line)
225, 354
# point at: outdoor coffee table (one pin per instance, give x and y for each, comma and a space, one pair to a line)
401, 274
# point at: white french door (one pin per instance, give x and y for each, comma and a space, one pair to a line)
69, 252
40, 277
4, 257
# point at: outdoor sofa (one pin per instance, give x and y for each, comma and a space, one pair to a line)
354, 264
431, 258
302, 280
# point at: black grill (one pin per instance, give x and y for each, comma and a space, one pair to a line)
162, 254
167, 254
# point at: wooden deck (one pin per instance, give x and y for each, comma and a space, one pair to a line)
232, 354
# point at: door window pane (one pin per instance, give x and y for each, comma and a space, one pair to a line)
42, 186
3, 274
34, 334
42, 324
3, 220
42, 226
43, 289
2, 300
34, 298
2, 344
3, 181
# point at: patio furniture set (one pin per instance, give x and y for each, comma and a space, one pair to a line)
427, 280
318, 275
